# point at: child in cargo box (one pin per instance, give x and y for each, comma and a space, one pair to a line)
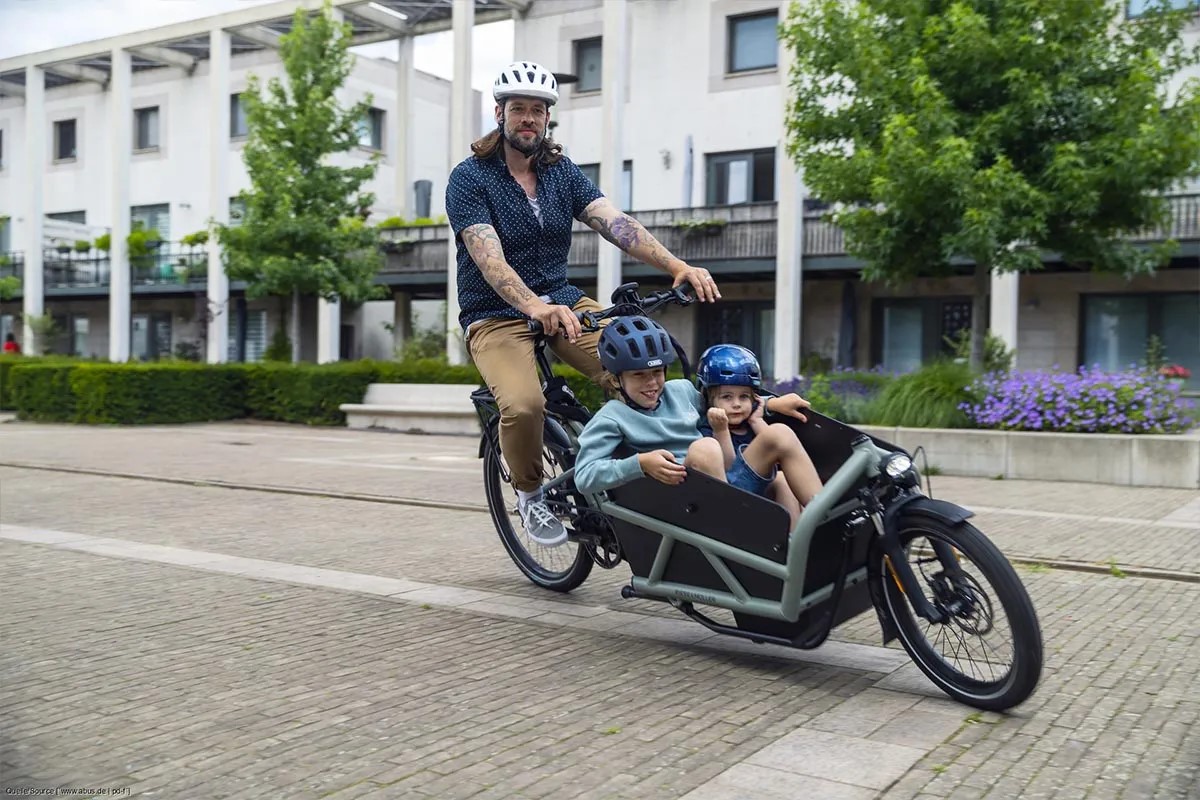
661, 419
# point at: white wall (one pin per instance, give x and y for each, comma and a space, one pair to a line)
675, 88
178, 173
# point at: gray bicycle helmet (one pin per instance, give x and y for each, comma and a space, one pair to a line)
633, 342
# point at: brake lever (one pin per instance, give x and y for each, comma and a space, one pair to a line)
681, 295
589, 321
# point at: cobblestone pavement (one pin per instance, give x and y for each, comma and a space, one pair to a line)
1131, 526
182, 682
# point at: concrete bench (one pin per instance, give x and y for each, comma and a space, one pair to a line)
415, 408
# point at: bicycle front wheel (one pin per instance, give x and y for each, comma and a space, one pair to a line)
988, 651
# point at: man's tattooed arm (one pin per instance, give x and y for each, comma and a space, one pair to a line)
629, 235
483, 243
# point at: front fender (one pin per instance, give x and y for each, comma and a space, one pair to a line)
922, 506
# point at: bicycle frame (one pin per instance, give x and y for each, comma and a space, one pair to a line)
864, 461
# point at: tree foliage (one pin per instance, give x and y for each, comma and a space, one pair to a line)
303, 232
991, 131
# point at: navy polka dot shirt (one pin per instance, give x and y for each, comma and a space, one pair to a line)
483, 191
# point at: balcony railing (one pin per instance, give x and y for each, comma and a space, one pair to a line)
699, 235
716, 233
12, 264
169, 263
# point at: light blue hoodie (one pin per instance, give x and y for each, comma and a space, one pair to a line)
672, 426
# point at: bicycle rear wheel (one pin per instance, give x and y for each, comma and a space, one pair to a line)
561, 568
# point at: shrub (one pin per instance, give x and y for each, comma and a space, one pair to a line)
280, 348
1088, 401
68, 390
996, 355
7, 363
42, 391
844, 394
127, 394
931, 397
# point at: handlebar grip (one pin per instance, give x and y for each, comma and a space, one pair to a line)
582, 316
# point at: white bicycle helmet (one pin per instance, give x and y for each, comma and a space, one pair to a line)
526, 79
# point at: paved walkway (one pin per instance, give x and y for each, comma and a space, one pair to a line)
192, 641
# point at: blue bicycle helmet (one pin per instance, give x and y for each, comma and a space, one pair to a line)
633, 342
728, 365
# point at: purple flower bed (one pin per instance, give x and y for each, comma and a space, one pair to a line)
1088, 401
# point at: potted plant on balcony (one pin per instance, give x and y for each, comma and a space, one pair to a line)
706, 227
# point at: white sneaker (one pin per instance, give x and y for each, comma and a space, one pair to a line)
540, 523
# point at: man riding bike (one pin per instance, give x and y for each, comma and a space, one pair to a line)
511, 205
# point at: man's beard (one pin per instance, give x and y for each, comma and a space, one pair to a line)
528, 148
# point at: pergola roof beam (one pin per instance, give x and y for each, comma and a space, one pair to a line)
79, 72
165, 55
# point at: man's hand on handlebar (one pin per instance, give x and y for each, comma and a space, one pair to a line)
701, 281
556, 319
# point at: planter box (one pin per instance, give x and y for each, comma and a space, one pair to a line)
1111, 458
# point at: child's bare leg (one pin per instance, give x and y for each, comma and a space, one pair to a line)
781, 493
705, 455
778, 445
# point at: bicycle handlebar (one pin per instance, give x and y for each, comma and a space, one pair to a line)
626, 301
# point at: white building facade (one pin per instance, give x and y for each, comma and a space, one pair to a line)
148, 128
700, 136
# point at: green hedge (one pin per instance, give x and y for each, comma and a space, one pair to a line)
7, 403
128, 394
174, 392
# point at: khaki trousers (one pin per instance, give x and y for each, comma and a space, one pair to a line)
502, 350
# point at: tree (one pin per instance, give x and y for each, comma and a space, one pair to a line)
991, 131
303, 232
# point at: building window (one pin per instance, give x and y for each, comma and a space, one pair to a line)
78, 217
5, 235
907, 332
79, 335
587, 65
1117, 328
592, 172
370, 130
1137, 8
1, 150
237, 211
753, 42
145, 128
64, 140
256, 335
153, 218
150, 336
747, 177
750, 323
238, 126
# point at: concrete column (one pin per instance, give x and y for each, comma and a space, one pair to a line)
120, 126
612, 91
33, 280
789, 247
402, 321
1005, 304
218, 192
402, 128
329, 330
464, 115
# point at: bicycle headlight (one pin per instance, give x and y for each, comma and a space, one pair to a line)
899, 468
